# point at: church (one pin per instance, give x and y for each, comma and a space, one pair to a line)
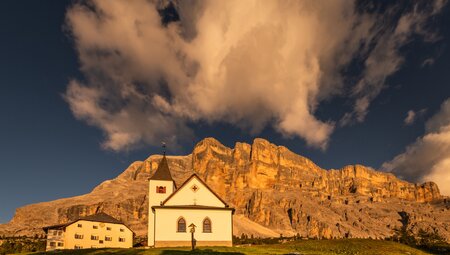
192, 211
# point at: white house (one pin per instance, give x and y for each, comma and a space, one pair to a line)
94, 231
174, 212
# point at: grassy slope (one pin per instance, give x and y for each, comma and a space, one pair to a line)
349, 246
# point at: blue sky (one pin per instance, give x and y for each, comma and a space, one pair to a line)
47, 151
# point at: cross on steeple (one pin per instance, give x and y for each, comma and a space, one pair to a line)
164, 148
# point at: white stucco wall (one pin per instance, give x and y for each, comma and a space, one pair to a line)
155, 199
186, 196
166, 224
87, 230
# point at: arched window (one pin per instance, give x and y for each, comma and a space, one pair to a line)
206, 225
181, 225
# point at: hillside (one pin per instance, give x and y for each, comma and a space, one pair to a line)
273, 190
313, 247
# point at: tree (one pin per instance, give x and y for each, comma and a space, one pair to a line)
404, 233
429, 238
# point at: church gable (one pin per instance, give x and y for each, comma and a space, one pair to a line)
194, 192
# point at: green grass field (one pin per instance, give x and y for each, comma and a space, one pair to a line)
343, 246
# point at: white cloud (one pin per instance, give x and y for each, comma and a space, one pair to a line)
428, 158
247, 63
127, 125
428, 62
412, 116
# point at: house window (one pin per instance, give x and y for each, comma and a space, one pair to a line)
108, 228
94, 237
101, 241
95, 227
80, 225
77, 247
181, 225
59, 233
122, 239
121, 230
78, 236
206, 225
52, 244
160, 189
60, 244
108, 238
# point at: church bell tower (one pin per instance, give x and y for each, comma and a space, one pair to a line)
161, 185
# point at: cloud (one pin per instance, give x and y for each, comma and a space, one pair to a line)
428, 62
412, 116
128, 124
248, 63
428, 158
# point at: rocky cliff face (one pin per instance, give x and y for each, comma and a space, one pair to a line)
273, 190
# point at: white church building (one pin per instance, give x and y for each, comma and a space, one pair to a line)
175, 212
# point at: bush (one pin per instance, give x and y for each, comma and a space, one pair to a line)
244, 239
18, 245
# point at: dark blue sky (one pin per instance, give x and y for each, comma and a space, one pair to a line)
46, 154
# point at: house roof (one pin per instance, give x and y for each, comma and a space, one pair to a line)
98, 217
58, 226
194, 175
163, 172
101, 217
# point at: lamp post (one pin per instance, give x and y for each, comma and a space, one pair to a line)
192, 230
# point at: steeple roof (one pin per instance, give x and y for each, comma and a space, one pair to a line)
163, 172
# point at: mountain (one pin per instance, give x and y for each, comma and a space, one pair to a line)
274, 191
